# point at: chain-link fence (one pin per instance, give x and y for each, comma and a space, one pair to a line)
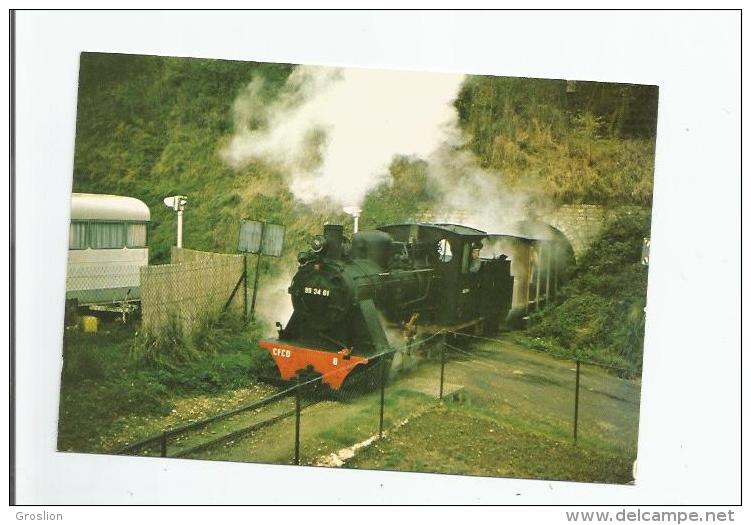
306, 422
195, 286
183, 294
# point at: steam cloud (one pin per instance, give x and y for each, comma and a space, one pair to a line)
274, 303
471, 195
335, 131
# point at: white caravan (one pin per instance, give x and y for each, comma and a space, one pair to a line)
107, 246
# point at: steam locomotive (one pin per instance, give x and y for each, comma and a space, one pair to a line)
346, 293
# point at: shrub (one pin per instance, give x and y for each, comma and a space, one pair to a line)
167, 347
602, 314
222, 352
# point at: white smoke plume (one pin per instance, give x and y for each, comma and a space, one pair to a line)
273, 303
474, 196
335, 131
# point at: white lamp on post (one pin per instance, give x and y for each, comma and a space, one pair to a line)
177, 203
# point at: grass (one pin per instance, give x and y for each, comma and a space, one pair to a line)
326, 427
512, 416
113, 392
463, 443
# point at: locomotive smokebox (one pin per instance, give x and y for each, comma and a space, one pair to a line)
333, 234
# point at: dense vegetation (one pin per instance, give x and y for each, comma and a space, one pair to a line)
127, 378
602, 316
577, 142
153, 126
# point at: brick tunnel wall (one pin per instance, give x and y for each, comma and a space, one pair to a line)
580, 223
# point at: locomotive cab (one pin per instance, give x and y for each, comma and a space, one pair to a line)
471, 288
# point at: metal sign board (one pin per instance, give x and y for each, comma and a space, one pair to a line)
273, 239
250, 236
258, 237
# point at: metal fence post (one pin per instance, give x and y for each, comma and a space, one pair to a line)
383, 389
538, 268
257, 275
576, 401
163, 445
245, 286
297, 422
547, 276
443, 364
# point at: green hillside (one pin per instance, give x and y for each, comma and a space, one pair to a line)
153, 126
149, 127
575, 142
602, 315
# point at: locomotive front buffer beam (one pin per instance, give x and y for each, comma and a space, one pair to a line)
334, 367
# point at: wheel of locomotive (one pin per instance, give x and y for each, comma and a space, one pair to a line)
365, 378
311, 383
357, 382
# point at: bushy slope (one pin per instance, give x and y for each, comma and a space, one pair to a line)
153, 126
150, 127
602, 315
594, 144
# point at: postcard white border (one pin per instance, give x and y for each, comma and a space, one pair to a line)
690, 426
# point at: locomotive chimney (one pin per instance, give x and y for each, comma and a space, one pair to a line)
333, 234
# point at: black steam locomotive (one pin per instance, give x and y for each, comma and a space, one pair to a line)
345, 293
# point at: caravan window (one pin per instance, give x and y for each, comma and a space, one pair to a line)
77, 236
107, 235
136, 235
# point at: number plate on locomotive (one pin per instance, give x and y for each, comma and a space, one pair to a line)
317, 291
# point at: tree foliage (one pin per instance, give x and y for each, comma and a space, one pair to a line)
149, 127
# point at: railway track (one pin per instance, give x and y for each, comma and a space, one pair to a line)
214, 430
225, 427
238, 433
261, 431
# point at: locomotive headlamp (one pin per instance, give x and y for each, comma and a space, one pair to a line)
318, 243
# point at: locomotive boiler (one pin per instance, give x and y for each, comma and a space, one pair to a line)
346, 292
